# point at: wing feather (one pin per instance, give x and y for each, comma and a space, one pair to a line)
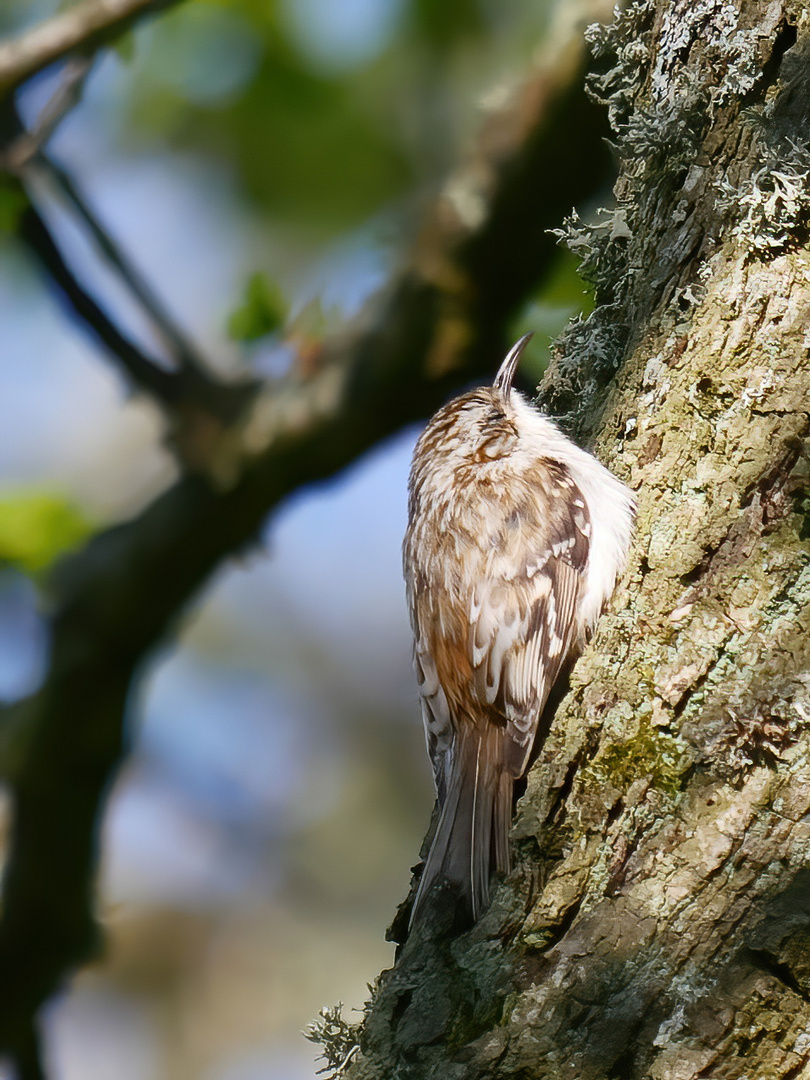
435, 718
498, 651
531, 666
495, 614
524, 622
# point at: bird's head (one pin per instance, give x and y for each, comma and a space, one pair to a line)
478, 427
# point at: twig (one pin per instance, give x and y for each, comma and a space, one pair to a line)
190, 390
84, 26
28, 148
144, 373
27, 145
183, 351
201, 406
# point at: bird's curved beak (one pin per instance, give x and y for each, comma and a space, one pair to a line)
506, 372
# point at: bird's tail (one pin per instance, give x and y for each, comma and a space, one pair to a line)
472, 836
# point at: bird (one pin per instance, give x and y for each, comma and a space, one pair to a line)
514, 542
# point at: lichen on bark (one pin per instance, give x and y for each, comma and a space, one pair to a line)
657, 922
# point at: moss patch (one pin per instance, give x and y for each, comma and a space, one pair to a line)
648, 754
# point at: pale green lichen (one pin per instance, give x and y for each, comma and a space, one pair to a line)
772, 205
730, 47
704, 58
627, 42
338, 1039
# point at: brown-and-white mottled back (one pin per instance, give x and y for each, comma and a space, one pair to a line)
515, 539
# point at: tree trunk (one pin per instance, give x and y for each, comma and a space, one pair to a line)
657, 923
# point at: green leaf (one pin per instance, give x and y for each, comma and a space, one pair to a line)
262, 312
37, 527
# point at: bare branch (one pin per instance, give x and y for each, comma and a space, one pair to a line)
196, 401
84, 26
183, 351
189, 391
143, 372
194, 397
27, 149
67, 95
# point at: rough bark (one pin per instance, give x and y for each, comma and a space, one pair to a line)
657, 924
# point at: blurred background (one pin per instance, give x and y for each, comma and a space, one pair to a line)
260, 160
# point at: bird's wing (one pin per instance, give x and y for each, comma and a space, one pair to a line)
523, 621
435, 716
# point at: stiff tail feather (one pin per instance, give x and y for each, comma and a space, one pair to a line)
472, 836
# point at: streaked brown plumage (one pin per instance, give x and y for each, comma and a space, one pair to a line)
515, 537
